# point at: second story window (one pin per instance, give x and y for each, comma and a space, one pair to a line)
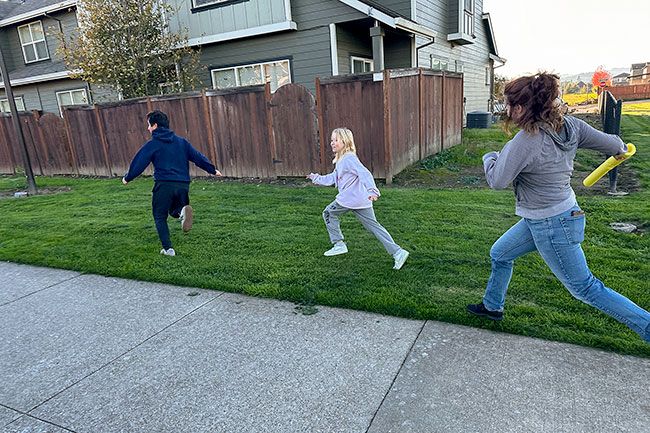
32, 39
468, 17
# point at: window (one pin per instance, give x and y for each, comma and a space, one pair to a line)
359, 65
487, 76
4, 104
32, 39
460, 66
439, 64
276, 73
71, 97
202, 3
170, 88
468, 17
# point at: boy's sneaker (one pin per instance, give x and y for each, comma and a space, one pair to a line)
186, 218
338, 248
400, 257
480, 310
168, 252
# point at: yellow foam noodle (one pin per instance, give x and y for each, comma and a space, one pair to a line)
606, 166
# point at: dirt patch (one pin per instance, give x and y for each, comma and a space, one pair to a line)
41, 191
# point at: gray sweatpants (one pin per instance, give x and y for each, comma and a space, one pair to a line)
366, 216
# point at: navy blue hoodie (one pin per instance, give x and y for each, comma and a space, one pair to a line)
170, 155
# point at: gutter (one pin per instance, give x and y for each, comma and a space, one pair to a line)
38, 12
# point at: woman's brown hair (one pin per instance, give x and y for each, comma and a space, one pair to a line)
538, 95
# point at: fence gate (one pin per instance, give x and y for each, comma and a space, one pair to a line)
295, 148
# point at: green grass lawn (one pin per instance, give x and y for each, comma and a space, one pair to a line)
268, 240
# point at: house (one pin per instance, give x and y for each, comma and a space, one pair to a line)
39, 78
584, 87
281, 41
246, 42
639, 73
620, 79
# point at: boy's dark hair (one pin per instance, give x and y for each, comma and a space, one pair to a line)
159, 118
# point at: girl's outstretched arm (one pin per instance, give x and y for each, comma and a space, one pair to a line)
325, 180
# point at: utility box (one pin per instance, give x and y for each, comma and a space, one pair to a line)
479, 119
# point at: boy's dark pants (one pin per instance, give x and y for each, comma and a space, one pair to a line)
168, 198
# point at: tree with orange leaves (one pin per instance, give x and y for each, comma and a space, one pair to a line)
601, 76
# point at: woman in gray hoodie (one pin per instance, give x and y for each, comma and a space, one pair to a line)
538, 161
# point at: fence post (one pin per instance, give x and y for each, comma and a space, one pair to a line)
421, 118
269, 128
388, 159
443, 112
321, 126
208, 123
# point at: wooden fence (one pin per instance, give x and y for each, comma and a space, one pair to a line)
398, 117
630, 93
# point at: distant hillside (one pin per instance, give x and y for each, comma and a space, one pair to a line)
586, 76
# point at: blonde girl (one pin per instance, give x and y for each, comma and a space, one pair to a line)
357, 191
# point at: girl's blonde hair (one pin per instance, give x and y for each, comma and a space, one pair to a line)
345, 135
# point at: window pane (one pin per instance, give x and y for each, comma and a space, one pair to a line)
79, 97
37, 31
4, 106
277, 74
20, 104
30, 54
357, 66
249, 75
224, 79
25, 36
41, 50
367, 66
65, 98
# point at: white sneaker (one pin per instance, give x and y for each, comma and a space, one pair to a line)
168, 252
186, 218
400, 257
338, 248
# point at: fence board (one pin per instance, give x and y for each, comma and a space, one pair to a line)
431, 115
29, 125
53, 147
453, 111
404, 121
8, 162
88, 148
631, 92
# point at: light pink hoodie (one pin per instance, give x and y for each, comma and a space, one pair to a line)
354, 181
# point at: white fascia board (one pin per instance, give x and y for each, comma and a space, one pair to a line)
39, 78
254, 31
497, 58
287, 10
418, 29
371, 12
334, 51
488, 20
37, 13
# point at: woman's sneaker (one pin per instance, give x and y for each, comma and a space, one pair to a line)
186, 218
400, 257
168, 252
480, 310
338, 248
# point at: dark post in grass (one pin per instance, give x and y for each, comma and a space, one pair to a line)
31, 182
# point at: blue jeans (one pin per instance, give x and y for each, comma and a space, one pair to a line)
557, 239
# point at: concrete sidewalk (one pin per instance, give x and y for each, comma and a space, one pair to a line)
85, 353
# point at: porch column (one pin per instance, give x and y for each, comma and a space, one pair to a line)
377, 35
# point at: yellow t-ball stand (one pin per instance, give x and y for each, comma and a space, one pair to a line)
606, 166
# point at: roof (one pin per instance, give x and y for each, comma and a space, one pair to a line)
6, 7
492, 42
28, 9
38, 72
390, 17
622, 75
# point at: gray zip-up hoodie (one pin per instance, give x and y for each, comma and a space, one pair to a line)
540, 166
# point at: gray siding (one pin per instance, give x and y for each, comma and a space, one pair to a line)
397, 50
352, 41
314, 13
12, 48
402, 7
474, 57
308, 50
42, 96
226, 18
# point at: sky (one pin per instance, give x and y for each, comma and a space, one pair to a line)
569, 36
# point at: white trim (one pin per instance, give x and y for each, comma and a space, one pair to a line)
40, 78
33, 42
38, 12
334, 50
396, 23
16, 98
81, 89
253, 31
245, 65
414, 9
287, 10
414, 52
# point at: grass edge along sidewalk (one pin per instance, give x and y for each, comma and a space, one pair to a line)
267, 240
